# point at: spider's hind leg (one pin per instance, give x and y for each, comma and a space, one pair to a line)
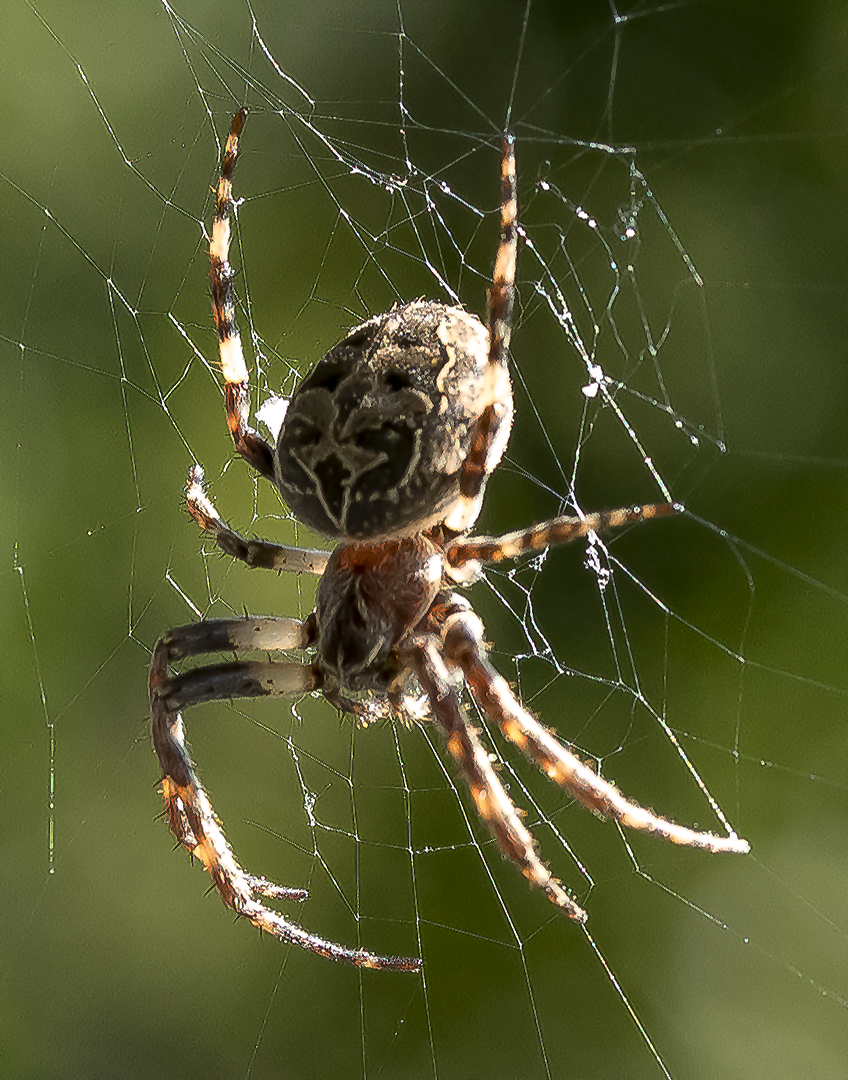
492, 429
249, 444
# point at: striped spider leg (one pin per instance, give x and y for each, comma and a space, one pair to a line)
462, 648
189, 812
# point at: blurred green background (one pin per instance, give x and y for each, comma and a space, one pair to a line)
113, 962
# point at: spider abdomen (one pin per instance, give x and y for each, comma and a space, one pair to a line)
375, 436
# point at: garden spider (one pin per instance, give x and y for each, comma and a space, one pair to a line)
386, 448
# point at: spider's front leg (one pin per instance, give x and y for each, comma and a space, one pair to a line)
189, 811
493, 803
463, 644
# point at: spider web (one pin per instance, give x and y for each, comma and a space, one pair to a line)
679, 329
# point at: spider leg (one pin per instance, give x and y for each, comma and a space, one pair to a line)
253, 553
190, 815
493, 804
502, 293
561, 530
241, 679
269, 633
495, 423
463, 644
250, 445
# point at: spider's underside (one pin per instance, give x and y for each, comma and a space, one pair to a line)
386, 448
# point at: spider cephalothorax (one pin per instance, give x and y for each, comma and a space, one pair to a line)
386, 448
369, 598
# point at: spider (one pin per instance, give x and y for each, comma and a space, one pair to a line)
385, 448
